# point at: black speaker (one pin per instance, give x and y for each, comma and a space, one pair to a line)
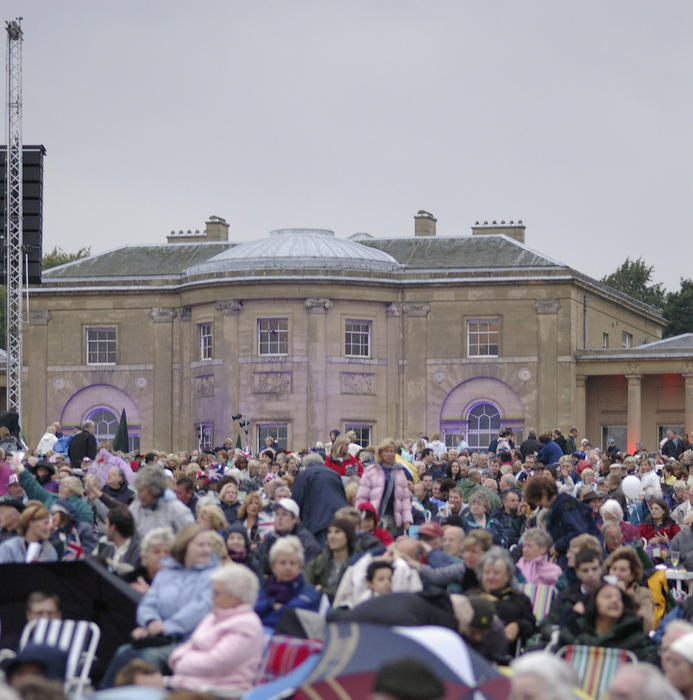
32, 202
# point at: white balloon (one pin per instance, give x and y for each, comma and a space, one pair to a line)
631, 487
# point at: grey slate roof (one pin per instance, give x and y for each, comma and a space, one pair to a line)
463, 252
139, 261
677, 342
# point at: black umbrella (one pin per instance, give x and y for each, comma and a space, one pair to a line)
120, 441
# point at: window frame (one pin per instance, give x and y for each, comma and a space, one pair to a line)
349, 338
205, 340
283, 440
358, 428
618, 432
207, 442
97, 341
626, 340
269, 341
490, 433
605, 340
468, 333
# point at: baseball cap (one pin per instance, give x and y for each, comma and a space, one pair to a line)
289, 505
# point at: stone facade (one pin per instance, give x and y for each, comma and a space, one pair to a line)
393, 347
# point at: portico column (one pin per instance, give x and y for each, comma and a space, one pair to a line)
162, 337
415, 374
229, 395
634, 378
316, 409
688, 397
581, 403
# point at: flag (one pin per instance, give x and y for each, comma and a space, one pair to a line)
73, 547
120, 441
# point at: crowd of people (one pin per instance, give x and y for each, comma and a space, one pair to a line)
228, 548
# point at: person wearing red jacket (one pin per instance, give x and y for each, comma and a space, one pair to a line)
369, 523
341, 461
659, 529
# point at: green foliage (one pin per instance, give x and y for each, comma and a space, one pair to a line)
678, 310
58, 256
634, 278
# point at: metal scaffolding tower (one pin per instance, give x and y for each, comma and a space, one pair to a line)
14, 234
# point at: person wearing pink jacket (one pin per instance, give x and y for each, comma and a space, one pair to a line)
384, 485
534, 562
226, 648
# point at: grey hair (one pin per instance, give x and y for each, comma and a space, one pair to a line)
680, 485
653, 683
611, 510
538, 536
312, 459
151, 479
491, 557
238, 581
157, 536
88, 424
480, 497
557, 675
290, 544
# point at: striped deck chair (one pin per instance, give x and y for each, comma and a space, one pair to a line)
77, 638
595, 666
541, 595
284, 654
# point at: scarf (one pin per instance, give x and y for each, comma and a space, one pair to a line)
279, 591
389, 472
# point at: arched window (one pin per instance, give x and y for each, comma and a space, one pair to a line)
106, 424
483, 424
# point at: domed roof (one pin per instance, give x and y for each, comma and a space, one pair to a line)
298, 248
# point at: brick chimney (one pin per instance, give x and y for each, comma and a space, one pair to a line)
513, 229
424, 223
216, 229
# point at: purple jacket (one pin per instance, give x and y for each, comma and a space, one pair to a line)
372, 487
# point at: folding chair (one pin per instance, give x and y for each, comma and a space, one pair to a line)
284, 654
77, 638
541, 595
595, 666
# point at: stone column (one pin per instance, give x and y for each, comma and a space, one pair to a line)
316, 343
393, 387
581, 404
547, 365
226, 396
34, 377
162, 345
415, 375
688, 396
183, 422
634, 378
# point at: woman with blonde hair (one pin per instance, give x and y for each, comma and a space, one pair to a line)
385, 486
340, 460
211, 517
34, 529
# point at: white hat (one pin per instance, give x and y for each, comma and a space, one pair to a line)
290, 505
683, 646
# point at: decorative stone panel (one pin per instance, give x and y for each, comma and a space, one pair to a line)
632, 369
228, 308
318, 305
357, 383
162, 314
39, 318
393, 309
547, 306
413, 308
271, 382
203, 386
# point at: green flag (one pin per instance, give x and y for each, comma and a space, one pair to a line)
120, 441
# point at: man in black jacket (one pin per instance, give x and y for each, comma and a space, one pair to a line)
82, 445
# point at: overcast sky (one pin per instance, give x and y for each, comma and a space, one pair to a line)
353, 115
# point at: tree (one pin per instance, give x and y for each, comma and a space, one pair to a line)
678, 310
58, 256
55, 257
634, 278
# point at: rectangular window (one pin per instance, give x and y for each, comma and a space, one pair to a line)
101, 346
482, 337
205, 335
676, 429
273, 336
204, 435
626, 340
619, 433
363, 433
605, 341
278, 432
357, 338
451, 439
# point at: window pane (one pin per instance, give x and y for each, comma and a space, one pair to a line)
277, 431
204, 435
483, 425
273, 336
483, 337
205, 335
101, 346
618, 432
357, 338
106, 424
363, 433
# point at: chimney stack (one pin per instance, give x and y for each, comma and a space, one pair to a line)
216, 229
511, 229
424, 223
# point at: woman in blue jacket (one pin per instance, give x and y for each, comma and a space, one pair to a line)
179, 597
285, 587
